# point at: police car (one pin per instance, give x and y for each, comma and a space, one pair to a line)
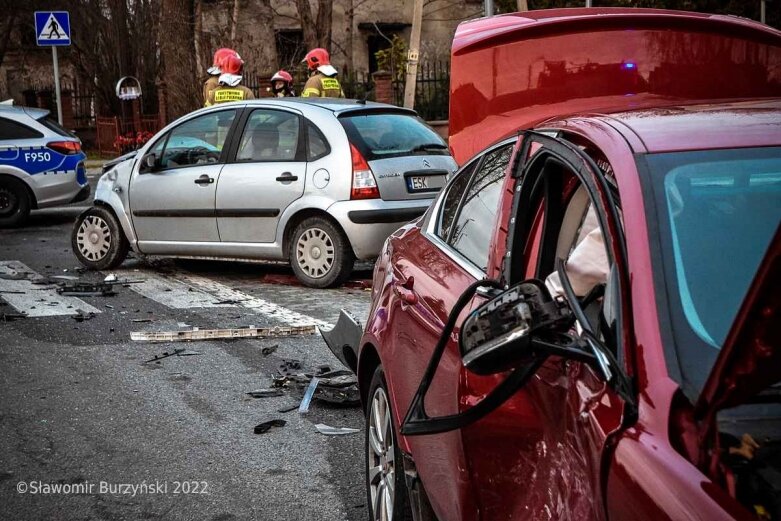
41, 164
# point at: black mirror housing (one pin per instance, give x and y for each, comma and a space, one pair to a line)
148, 163
497, 336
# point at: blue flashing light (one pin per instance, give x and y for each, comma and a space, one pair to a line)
629, 65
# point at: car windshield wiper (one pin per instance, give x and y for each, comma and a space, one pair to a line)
428, 147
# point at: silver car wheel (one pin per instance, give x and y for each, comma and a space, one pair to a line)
315, 252
94, 238
381, 458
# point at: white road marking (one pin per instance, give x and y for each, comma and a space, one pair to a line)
36, 300
169, 292
258, 305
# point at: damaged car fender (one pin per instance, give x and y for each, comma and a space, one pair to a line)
343, 340
112, 191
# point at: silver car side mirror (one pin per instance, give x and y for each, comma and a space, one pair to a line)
148, 163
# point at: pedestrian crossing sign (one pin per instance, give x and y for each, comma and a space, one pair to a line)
52, 28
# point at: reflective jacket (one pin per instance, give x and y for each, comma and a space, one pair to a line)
224, 94
209, 85
321, 86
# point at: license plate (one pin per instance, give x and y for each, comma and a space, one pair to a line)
417, 182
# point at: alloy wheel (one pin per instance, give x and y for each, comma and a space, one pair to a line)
8, 201
381, 458
94, 238
315, 252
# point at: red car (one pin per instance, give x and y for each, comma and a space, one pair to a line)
586, 322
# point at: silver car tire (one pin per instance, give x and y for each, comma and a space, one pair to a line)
97, 239
14, 203
386, 491
320, 254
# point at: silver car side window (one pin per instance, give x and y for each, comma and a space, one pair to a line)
197, 141
269, 135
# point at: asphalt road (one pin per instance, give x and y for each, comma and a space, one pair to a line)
124, 439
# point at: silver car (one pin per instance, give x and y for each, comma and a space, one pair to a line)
317, 182
41, 164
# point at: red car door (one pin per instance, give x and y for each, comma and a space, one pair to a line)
432, 266
574, 411
541, 454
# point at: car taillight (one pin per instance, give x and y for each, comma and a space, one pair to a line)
65, 147
364, 184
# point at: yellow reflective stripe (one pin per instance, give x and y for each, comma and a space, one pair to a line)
310, 92
222, 95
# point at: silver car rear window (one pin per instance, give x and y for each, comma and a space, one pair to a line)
385, 135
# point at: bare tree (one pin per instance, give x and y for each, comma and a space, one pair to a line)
351, 7
316, 27
7, 25
234, 23
177, 32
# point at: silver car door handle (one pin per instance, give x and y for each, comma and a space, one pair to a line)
286, 177
204, 180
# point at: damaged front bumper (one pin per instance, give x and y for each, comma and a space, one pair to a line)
343, 340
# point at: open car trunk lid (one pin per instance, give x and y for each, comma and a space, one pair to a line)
750, 361
515, 71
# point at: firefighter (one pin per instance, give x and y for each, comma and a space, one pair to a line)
229, 88
322, 82
282, 84
215, 70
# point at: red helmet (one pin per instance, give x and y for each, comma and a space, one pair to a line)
282, 76
232, 64
219, 59
316, 58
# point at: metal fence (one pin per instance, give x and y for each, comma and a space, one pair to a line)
108, 129
432, 90
83, 104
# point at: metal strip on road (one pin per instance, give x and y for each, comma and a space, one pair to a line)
213, 334
258, 305
169, 291
36, 300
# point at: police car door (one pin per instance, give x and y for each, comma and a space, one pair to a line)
173, 201
265, 175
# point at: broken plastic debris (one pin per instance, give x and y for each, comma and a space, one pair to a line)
81, 316
226, 334
266, 426
8, 317
166, 354
322, 428
110, 278
307, 399
265, 393
267, 350
85, 289
288, 408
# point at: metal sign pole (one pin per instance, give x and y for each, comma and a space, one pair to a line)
489, 7
589, 3
57, 83
762, 11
